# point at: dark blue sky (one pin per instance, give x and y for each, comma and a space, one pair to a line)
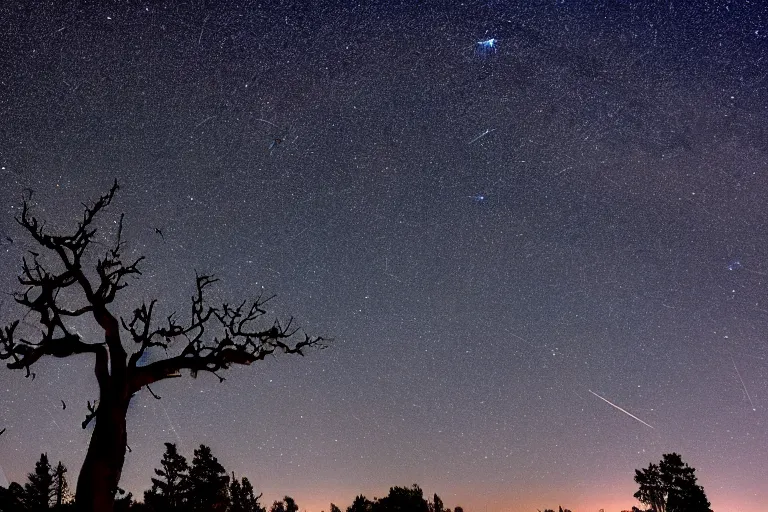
605, 234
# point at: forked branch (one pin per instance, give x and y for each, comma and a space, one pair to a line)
216, 338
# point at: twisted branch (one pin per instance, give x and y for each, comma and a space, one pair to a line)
237, 339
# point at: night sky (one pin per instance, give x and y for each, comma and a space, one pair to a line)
495, 235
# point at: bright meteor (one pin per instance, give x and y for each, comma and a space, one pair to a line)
619, 408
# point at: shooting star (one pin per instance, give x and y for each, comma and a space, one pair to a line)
486, 132
170, 423
53, 419
742, 384
619, 408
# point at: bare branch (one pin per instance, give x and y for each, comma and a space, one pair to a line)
156, 397
43, 286
238, 341
92, 410
112, 271
56, 288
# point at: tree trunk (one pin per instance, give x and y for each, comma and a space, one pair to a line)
103, 464
59, 484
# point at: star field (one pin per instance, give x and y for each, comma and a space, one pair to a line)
489, 231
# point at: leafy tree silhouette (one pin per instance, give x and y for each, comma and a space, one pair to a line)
671, 486
124, 502
287, 505
402, 499
208, 483
652, 491
12, 499
169, 490
334, 508
290, 504
361, 504
58, 286
242, 498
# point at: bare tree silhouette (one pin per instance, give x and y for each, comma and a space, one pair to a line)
57, 288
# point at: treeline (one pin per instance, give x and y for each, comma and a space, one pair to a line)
205, 486
200, 486
46, 489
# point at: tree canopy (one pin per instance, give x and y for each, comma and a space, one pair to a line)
671, 486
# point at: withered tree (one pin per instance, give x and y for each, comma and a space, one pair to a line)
212, 339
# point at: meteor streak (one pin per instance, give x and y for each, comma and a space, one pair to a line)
619, 408
742, 384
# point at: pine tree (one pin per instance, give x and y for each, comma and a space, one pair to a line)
235, 495
334, 508
437, 504
60, 487
242, 498
169, 491
39, 490
249, 498
208, 483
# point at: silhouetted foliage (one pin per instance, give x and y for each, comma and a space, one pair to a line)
205, 486
361, 504
290, 504
437, 504
169, 490
38, 491
60, 486
287, 505
124, 501
12, 498
45, 489
60, 271
208, 483
402, 499
671, 486
242, 498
